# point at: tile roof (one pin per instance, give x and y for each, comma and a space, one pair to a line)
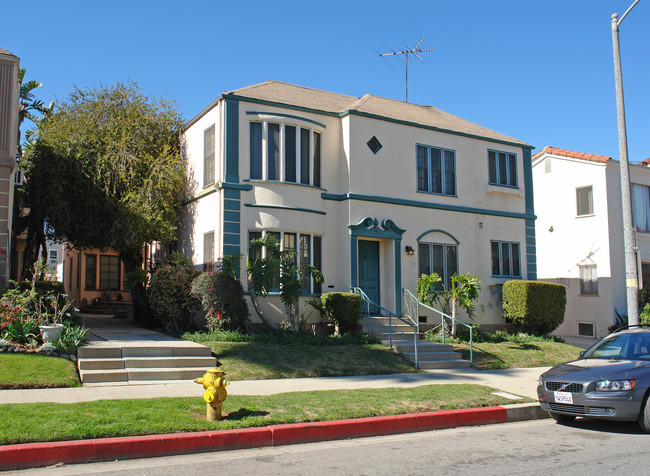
569, 153
299, 96
5, 52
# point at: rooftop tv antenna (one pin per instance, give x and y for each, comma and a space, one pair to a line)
413, 51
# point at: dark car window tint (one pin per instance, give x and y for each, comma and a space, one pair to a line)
607, 349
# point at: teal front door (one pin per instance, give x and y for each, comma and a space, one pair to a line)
369, 270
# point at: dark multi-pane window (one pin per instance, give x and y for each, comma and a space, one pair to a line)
502, 168
109, 272
208, 251
208, 156
282, 152
436, 170
505, 259
438, 258
316, 256
91, 272
305, 259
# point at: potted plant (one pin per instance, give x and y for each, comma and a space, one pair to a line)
50, 316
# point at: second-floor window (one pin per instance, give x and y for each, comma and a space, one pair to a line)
641, 207
208, 156
436, 169
285, 153
502, 168
585, 201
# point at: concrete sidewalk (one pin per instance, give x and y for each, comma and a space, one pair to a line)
515, 381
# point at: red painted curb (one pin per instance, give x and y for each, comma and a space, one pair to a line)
31, 455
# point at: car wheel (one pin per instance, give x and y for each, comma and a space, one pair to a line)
644, 417
558, 417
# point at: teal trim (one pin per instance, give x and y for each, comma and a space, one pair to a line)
279, 182
235, 186
231, 194
420, 204
229, 215
230, 249
230, 204
231, 239
203, 193
354, 262
531, 250
284, 207
276, 114
370, 228
532, 259
229, 227
279, 104
434, 128
528, 182
398, 277
232, 141
435, 230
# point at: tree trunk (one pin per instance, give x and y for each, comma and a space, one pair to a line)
258, 309
454, 308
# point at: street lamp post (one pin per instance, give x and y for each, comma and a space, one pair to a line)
629, 235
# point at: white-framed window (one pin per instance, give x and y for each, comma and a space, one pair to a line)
53, 256
208, 251
588, 280
439, 258
285, 153
506, 260
585, 201
502, 168
436, 169
307, 248
208, 156
640, 195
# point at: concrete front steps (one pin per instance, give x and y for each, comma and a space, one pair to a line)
431, 355
107, 362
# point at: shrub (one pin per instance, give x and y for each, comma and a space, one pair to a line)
170, 297
222, 297
534, 306
344, 309
71, 338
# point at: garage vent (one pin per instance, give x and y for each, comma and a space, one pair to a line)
586, 329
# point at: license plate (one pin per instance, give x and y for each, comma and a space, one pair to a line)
563, 397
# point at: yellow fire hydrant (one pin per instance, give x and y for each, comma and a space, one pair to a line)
215, 393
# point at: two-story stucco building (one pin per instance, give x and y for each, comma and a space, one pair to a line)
372, 191
580, 234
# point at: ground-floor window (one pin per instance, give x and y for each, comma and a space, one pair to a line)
109, 272
588, 280
438, 258
506, 260
208, 251
91, 272
307, 249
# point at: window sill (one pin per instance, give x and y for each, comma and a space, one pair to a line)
437, 194
586, 216
281, 182
512, 187
589, 295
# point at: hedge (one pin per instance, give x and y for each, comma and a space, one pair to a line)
534, 306
344, 309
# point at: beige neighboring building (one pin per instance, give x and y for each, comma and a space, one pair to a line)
9, 95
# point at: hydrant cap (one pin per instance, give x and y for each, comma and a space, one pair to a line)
217, 371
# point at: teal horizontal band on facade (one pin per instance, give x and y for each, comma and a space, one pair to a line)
232, 216
279, 182
421, 204
284, 207
230, 204
230, 193
235, 186
203, 193
231, 239
230, 227
289, 116
230, 249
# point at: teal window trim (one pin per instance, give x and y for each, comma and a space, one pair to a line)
281, 182
234, 186
428, 186
501, 260
436, 230
286, 116
446, 275
498, 168
421, 204
284, 207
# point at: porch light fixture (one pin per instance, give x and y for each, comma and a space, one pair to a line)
410, 251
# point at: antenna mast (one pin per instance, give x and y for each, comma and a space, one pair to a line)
414, 51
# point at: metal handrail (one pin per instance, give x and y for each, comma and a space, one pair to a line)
412, 310
366, 302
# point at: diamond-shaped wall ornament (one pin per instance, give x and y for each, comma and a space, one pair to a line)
374, 145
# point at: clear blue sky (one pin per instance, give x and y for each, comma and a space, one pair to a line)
539, 71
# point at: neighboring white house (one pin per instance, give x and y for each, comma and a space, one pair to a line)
580, 234
372, 191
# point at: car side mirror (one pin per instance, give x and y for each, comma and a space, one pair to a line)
582, 354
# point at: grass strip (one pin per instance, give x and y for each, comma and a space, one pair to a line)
36, 371
262, 361
506, 355
38, 422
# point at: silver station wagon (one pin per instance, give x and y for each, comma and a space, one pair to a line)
609, 381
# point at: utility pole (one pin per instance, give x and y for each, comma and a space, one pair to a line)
629, 233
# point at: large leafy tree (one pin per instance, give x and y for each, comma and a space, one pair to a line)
105, 171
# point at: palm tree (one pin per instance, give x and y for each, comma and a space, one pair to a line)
29, 105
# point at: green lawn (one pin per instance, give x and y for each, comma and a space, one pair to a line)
27, 422
506, 355
36, 371
257, 361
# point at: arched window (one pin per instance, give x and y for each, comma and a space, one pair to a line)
438, 253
